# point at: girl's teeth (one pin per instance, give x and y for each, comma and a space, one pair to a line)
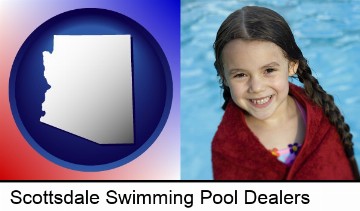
262, 101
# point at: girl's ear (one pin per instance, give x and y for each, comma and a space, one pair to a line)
225, 82
293, 66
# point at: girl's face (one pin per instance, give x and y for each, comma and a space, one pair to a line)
257, 74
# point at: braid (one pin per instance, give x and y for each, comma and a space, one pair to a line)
226, 96
326, 101
226, 90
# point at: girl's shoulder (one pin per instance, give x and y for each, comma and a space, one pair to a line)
300, 95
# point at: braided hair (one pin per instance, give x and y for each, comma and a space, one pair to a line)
259, 23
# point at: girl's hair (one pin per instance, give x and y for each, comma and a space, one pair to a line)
259, 23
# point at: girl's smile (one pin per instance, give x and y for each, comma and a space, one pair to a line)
261, 102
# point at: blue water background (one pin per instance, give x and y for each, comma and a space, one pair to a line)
328, 32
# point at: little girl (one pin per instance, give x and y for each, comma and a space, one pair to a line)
273, 129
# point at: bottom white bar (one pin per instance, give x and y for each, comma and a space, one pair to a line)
178, 195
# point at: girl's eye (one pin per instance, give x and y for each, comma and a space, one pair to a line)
269, 70
239, 75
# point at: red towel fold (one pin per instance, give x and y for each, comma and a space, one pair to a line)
237, 153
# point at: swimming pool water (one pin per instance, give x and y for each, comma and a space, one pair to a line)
328, 33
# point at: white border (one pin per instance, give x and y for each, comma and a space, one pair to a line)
321, 195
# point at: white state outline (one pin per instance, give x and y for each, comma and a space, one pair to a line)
90, 95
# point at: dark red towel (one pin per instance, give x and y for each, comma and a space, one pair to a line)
237, 153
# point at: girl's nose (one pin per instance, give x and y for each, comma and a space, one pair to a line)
256, 85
